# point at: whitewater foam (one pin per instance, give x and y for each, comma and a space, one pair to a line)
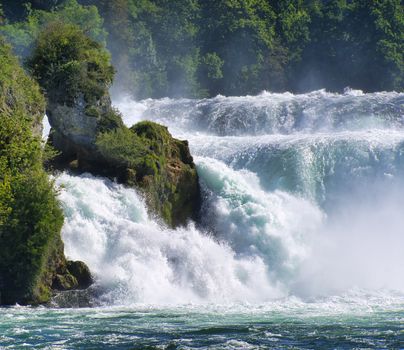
271, 113
137, 260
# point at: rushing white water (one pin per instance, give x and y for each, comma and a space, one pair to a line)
136, 259
302, 196
270, 113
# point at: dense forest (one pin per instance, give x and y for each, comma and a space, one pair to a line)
199, 48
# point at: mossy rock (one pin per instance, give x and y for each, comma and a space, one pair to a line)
81, 273
64, 282
74, 275
147, 156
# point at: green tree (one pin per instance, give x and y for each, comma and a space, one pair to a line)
201, 48
378, 29
153, 45
22, 34
241, 34
356, 43
67, 63
2, 19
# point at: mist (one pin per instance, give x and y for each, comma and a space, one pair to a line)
360, 246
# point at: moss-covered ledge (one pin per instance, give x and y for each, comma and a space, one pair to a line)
148, 157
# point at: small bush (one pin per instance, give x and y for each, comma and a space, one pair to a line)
122, 147
68, 64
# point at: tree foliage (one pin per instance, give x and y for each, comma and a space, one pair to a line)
30, 217
356, 43
22, 34
198, 48
67, 63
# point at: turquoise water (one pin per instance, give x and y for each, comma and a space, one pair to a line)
334, 323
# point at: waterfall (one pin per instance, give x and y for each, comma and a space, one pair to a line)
302, 196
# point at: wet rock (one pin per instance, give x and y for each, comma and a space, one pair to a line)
80, 271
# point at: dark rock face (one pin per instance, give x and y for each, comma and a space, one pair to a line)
72, 276
64, 282
80, 271
66, 274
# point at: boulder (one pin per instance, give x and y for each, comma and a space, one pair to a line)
80, 271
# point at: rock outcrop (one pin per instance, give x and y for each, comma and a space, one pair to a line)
71, 276
91, 136
148, 157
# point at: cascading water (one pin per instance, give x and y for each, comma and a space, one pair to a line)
278, 172
137, 260
299, 246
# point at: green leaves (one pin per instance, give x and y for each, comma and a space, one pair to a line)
237, 47
195, 48
30, 217
23, 34
122, 147
213, 65
67, 64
